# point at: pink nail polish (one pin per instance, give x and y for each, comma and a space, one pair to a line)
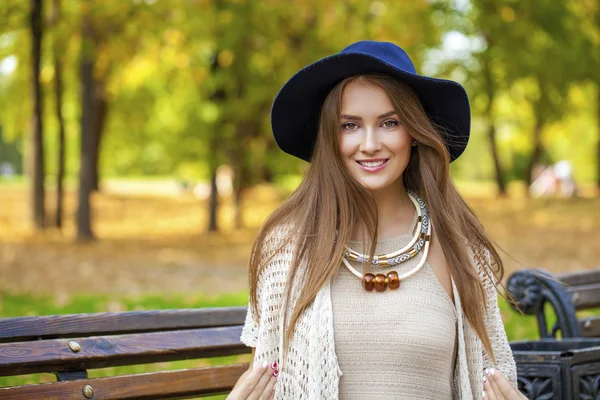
274, 365
276, 373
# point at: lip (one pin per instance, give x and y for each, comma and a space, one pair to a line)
373, 169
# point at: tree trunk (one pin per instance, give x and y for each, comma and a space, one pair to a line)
597, 26
101, 111
246, 131
84, 231
266, 174
218, 95
598, 133
236, 160
213, 202
37, 143
491, 134
239, 210
536, 153
238, 167
58, 91
499, 175
240, 179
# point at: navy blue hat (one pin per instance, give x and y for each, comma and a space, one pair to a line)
295, 111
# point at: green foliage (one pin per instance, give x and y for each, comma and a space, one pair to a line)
189, 84
529, 63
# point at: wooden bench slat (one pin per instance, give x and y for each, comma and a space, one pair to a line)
581, 277
590, 327
54, 355
80, 325
585, 296
163, 385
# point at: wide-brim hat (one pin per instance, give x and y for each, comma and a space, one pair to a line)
295, 110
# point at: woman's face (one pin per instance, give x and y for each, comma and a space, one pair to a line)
374, 145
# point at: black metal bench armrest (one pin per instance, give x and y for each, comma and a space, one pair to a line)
532, 289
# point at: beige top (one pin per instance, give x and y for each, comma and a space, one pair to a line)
312, 372
397, 344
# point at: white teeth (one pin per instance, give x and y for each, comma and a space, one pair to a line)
372, 164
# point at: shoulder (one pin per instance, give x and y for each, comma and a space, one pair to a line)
279, 238
276, 251
280, 232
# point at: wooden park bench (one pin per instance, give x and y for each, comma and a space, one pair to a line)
553, 367
70, 345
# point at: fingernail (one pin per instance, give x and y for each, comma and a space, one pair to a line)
264, 364
276, 373
483, 395
487, 371
492, 371
274, 365
484, 380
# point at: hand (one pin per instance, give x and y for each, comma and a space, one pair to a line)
256, 384
497, 387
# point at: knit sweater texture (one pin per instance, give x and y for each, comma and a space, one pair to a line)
312, 370
398, 344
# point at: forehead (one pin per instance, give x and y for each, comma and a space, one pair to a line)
362, 98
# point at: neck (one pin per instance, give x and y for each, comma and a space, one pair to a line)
395, 211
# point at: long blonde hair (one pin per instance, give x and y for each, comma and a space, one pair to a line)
330, 201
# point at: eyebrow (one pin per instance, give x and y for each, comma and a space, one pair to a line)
387, 114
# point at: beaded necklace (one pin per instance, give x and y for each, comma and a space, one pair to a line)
420, 241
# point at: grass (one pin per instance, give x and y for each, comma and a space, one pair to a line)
18, 305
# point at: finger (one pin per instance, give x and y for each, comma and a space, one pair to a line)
504, 386
262, 382
247, 385
492, 377
236, 391
488, 391
269, 391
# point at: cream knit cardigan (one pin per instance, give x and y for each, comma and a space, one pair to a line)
312, 372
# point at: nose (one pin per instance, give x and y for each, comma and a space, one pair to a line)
370, 141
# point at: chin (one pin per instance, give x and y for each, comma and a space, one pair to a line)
376, 187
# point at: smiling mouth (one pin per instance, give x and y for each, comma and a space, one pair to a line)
372, 164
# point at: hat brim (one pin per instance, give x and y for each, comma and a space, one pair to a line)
295, 110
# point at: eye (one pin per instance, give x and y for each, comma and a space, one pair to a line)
393, 123
348, 125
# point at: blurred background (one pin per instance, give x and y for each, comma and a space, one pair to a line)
137, 161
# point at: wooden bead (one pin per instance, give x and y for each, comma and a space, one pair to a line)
379, 282
367, 281
393, 280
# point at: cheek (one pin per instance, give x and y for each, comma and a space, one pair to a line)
347, 145
402, 144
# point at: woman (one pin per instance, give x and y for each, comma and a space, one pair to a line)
374, 278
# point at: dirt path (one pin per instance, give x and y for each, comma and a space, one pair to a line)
36, 268
153, 245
